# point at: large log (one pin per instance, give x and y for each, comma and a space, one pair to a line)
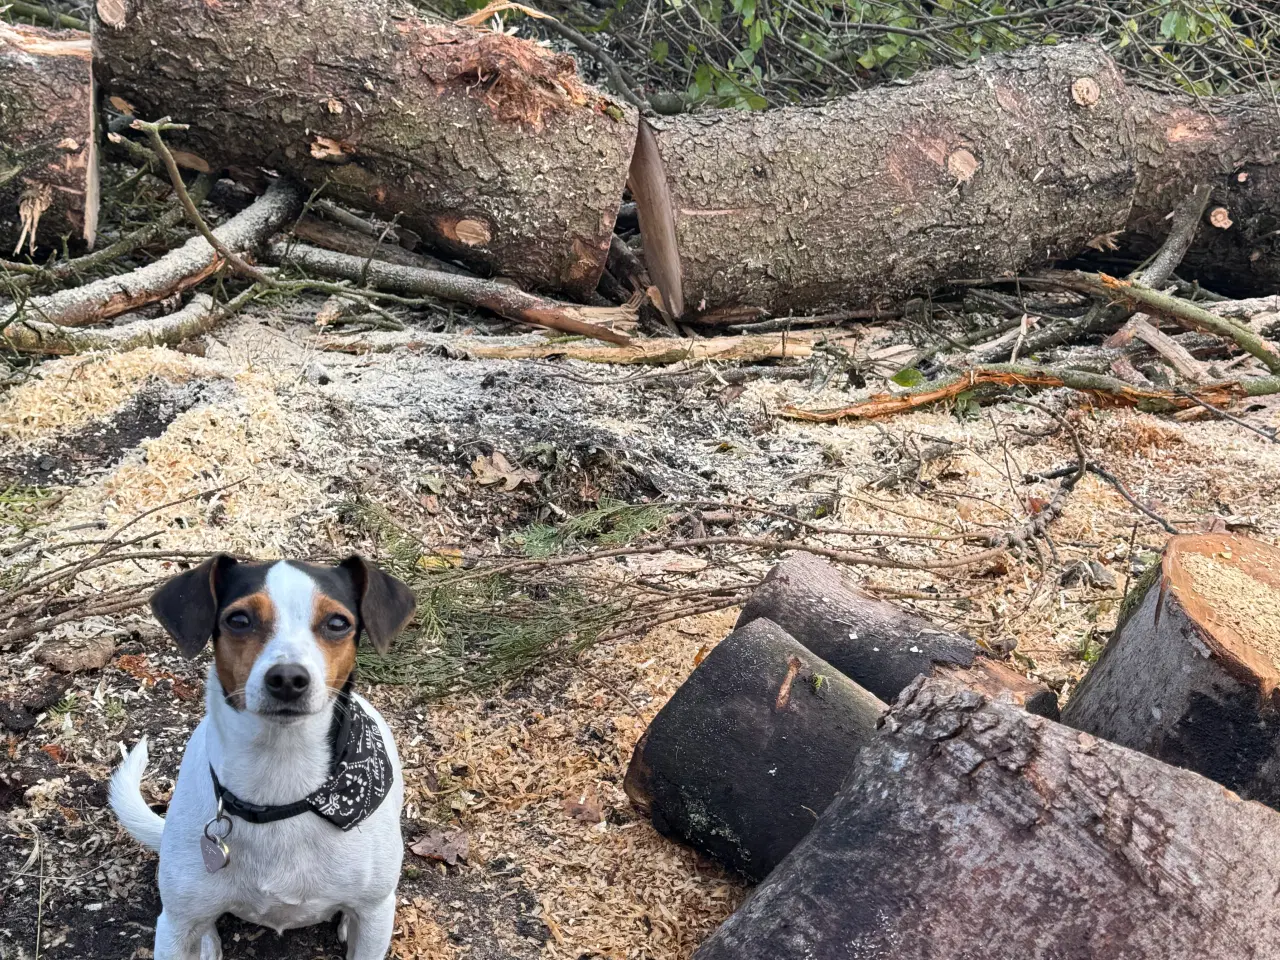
878, 645
490, 146
972, 830
1192, 672
1017, 160
48, 148
751, 749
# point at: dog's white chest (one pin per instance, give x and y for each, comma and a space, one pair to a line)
281, 914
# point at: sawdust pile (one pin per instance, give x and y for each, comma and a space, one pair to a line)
541, 788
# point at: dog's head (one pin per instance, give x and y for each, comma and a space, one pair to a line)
284, 632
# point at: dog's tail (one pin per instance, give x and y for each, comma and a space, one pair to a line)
144, 824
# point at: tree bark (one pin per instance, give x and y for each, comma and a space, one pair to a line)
751, 749
48, 147
972, 830
488, 146
876, 644
1191, 673
1018, 160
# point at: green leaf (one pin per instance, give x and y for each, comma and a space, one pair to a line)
756, 102
868, 60
659, 51
1168, 24
908, 377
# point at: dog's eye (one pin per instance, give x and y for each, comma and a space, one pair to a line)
337, 624
239, 621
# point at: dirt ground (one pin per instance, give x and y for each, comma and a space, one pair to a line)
558, 865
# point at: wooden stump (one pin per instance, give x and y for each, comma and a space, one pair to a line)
877, 645
48, 150
487, 145
1191, 673
971, 830
751, 749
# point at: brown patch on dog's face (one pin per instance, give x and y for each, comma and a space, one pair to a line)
244, 627
334, 627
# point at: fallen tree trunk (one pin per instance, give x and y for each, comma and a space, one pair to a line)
48, 145
490, 146
751, 749
970, 829
178, 270
1192, 673
876, 644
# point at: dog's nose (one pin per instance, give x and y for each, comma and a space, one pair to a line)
287, 681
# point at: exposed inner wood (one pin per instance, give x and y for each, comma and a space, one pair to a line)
1231, 587
648, 180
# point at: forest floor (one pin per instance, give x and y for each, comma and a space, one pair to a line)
266, 441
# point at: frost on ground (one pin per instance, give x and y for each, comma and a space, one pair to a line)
263, 445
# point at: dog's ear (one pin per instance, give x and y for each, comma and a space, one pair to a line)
386, 604
187, 605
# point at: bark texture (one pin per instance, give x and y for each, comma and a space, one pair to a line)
488, 146
964, 173
1018, 160
751, 749
1231, 146
876, 644
1190, 675
48, 152
971, 830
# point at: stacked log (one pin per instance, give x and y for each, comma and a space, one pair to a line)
751, 749
742, 761
48, 148
878, 645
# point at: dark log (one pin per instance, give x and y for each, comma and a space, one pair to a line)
971, 830
751, 749
1191, 673
875, 644
489, 146
48, 147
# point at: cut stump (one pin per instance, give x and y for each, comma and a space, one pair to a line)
1192, 671
751, 749
878, 645
971, 830
48, 151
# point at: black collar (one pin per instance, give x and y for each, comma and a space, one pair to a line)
360, 774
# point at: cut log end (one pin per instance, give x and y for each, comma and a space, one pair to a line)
1230, 587
1192, 674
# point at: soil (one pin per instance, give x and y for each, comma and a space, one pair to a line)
253, 456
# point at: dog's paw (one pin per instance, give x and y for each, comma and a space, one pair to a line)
211, 947
343, 923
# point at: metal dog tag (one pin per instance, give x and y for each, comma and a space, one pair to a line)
213, 847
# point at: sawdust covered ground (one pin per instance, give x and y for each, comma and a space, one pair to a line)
263, 447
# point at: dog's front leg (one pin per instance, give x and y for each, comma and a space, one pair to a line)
369, 930
186, 940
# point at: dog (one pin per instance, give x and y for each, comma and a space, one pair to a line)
286, 812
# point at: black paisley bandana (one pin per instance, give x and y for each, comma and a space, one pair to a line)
360, 775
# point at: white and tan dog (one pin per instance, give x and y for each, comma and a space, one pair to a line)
286, 810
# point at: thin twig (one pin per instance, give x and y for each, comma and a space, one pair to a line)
153, 130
